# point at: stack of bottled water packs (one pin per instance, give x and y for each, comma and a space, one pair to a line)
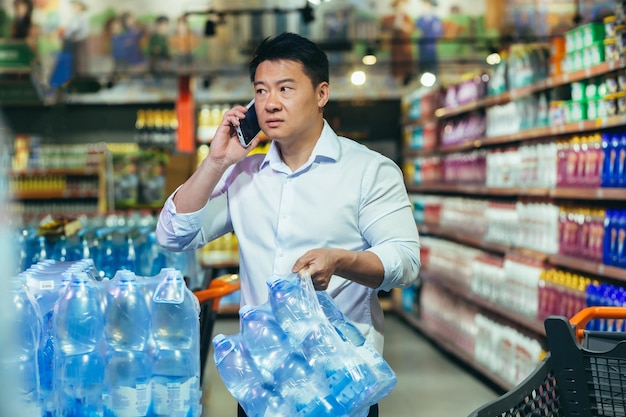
297, 355
123, 347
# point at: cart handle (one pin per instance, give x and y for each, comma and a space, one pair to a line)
219, 287
584, 316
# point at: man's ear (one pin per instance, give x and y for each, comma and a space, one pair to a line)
323, 94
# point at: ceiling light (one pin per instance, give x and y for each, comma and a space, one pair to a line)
428, 79
369, 58
358, 78
493, 59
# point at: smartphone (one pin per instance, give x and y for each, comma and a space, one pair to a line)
249, 127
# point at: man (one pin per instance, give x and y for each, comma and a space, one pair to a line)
316, 203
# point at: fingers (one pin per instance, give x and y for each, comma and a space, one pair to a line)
232, 116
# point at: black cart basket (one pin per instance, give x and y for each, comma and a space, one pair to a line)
584, 373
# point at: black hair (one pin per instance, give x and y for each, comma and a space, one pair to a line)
293, 47
162, 19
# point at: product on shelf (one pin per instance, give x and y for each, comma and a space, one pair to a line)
209, 118
114, 242
504, 350
581, 233
156, 128
468, 91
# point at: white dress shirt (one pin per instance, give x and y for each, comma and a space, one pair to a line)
346, 196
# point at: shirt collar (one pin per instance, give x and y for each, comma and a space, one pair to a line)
326, 149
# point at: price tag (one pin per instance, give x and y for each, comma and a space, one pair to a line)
599, 193
601, 269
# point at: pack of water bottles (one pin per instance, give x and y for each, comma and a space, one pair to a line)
123, 347
297, 355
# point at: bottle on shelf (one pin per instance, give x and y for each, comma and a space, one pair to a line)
127, 334
20, 360
176, 366
79, 325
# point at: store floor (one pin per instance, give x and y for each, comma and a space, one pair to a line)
430, 384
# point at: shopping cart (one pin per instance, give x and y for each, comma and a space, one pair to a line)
584, 373
209, 299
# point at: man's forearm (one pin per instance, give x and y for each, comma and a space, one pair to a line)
196, 191
362, 267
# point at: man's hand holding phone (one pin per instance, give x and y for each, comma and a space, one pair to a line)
226, 146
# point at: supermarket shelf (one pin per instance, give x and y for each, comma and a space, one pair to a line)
583, 126
473, 189
564, 261
550, 82
614, 194
450, 347
588, 266
466, 294
54, 194
55, 171
462, 237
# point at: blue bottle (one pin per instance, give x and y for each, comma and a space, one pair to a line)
267, 344
236, 367
292, 307
21, 361
175, 312
175, 389
46, 284
106, 257
61, 252
175, 330
128, 255
349, 377
41, 251
127, 335
346, 330
303, 390
79, 326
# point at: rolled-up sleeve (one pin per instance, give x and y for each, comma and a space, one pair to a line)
185, 231
387, 223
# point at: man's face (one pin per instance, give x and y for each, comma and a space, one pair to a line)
287, 104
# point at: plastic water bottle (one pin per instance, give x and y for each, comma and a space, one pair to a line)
106, 258
291, 306
294, 373
176, 329
175, 314
236, 367
127, 258
46, 286
266, 342
175, 390
41, 251
79, 325
60, 252
127, 314
127, 334
348, 375
346, 330
128, 384
21, 360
